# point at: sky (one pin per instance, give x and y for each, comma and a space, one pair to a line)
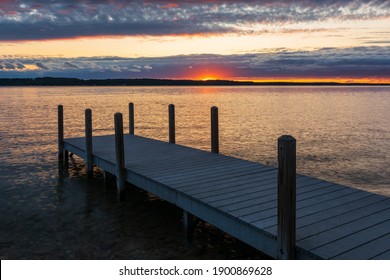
328, 40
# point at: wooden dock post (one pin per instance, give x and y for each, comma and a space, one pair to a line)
131, 118
214, 130
120, 155
66, 157
189, 223
88, 142
60, 133
172, 132
286, 197
188, 218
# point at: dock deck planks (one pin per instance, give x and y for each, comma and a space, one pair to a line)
240, 198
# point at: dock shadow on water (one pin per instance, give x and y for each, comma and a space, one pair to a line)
82, 219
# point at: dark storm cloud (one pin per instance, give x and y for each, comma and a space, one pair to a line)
37, 20
358, 62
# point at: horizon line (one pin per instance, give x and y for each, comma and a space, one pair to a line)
180, 81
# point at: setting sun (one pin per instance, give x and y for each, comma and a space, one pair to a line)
213, 72
208, 78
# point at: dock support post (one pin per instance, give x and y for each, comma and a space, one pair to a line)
172, 132
88, 142
214, 130
120, 155
66, 157
105, 180
286, 197
189, 223
131, 118
60, 133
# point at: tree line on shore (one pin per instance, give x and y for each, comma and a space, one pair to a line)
52, 81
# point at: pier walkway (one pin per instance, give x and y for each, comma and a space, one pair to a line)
240, 197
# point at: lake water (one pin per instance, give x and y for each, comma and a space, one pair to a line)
343, 135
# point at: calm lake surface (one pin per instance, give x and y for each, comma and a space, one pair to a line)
343, 136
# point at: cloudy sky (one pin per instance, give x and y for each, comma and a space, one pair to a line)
308, 40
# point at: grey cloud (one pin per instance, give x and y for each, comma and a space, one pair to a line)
19, 65
8, 65
58, 19
11, 65
327, 62
385, 42
42, 66
70, 65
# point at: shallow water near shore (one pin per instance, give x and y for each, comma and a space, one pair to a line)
343, 135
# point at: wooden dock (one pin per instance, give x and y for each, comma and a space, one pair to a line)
323, 220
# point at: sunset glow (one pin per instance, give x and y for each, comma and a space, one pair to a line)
344, 41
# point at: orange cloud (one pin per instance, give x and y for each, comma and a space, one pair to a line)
169, 6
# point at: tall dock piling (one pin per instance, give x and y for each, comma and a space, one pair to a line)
214, 130
61, 133
88, 142
171, 117
286, 197
119, 155
131, 118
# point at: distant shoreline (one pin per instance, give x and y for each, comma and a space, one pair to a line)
51, 81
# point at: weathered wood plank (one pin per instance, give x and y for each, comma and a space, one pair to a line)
316, 242
370, 249
171, 154
258, 217
177, 171
382, 256
239, 200
209, 189
161, 164
249, 192
195, 179
304, 191
316, 196
330, 223
368, 243
222, 187
156, 162
200, 187
316, 214
241, 195
269, 199
321, 212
